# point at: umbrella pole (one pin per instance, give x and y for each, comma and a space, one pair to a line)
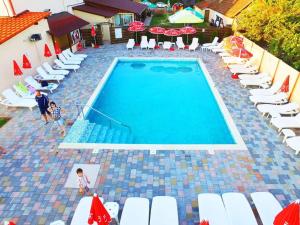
187, 39
136, 37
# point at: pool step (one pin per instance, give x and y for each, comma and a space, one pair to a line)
83, 131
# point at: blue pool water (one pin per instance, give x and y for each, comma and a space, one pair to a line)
164, 102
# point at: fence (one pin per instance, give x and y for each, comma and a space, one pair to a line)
276, 68
204, 34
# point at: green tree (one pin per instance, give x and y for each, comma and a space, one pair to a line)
275, 23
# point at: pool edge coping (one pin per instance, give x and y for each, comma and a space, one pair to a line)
239, 145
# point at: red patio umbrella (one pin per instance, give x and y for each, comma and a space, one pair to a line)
17, 70
26, 62
136, 23
93, 34
172, 33
98, 213
235, 39
204, 222
290, 215
47, 52
188, 30
285, 85
241, 53
136, 29
157, 31
57, 48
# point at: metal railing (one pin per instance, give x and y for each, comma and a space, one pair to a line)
80, 109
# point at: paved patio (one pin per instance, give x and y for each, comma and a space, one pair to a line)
33, 174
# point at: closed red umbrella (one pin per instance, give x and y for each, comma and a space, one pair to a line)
188, 30
57, 48
93, 34
290, 215
204, 222
47, 52
17, 70
98, 213
26, 62
136, 23
241, 53
285, 87
136, 29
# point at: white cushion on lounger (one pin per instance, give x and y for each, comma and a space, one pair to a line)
135, 212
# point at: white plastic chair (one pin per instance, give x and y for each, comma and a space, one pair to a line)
130, 44
194, 45
179, 43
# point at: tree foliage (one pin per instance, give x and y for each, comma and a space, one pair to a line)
275, 23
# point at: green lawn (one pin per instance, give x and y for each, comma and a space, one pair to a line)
162, 20
3, 121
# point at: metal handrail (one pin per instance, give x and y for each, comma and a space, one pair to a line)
102, 114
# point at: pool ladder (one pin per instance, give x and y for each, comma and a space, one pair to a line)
80, 110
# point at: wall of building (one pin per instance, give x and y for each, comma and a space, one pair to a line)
226, 20
14, 49
55, 6
91, 18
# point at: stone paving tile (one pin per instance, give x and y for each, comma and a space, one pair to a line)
33, 173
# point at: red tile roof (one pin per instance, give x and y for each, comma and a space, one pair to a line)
64, 22
11, 26
228, 8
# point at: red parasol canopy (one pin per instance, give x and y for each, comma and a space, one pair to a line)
17, 70
93, 32
172, 32
136, 23
290, 215
241, 53
98, 213
157, 30
57, 48
235, 39
204, 222
285, 85
136, 28
26, 63
188, 30
47, 52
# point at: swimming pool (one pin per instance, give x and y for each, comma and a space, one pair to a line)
166, 103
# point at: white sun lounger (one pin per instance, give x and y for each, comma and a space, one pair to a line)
210, 205
135, 212
279, 98
217, 48
66, 67
75, 55
68, 62
144, 42
267, 206
194, 45
294, 143
37, 86
130, 44
167, 45
227, 55
242, 64
247, 70
268, 91
42, 75
213, 43
151, 44
12, 100
82, 211
238, 209
71, 58
164, 211
262, 82
286, 122
287, 109
253, 76
179, 43
52, 71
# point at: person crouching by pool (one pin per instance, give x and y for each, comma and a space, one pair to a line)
43, 103
56, 116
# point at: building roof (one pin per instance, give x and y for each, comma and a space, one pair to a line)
64, 22
123, 5
100, 11
229, 8
11, 26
